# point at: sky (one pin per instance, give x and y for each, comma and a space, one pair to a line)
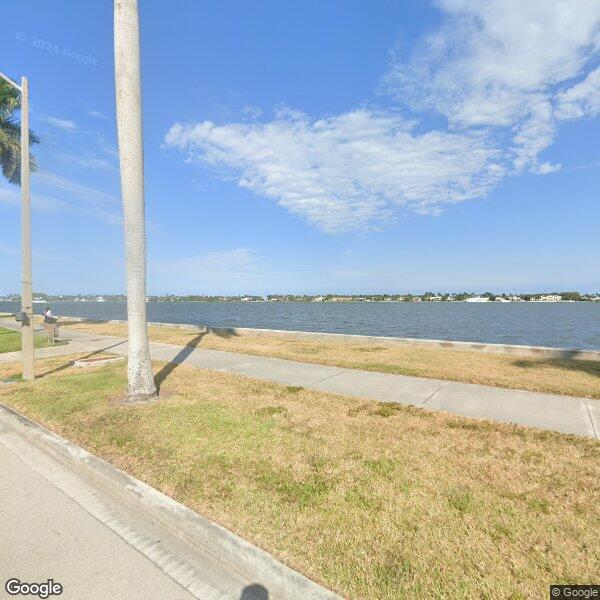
316, 146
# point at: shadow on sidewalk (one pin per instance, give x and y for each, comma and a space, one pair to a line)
186, 351
166, 371
177, 359
68, 364
254, 592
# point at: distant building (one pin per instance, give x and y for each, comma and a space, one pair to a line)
550, 298
478, 299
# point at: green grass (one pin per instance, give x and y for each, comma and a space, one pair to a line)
375, 502
10, 341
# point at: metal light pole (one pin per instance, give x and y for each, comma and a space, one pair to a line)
26, 284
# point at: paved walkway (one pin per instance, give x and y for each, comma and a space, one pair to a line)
58, 525
566, 414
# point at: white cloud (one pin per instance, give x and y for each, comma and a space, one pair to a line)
482, 65
12, 197
107, 147
87, 201
82, 192
252, 112
8, 196
582, 99
9, 250
87, 162
502, 73
96, 114
216, 271
38, 256
63, 124
346, 172
503, 64
546, 168
215, 259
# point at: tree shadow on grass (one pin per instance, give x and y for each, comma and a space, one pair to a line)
590, 367
69, 363
182, 355
164, 373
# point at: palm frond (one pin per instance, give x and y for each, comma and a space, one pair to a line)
9, 99
10, 136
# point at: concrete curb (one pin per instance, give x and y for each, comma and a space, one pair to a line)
239, 555
512, 349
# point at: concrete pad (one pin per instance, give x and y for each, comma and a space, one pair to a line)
545, 411
380, 386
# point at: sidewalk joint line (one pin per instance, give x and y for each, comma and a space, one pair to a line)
589, 412
330, 377
434, 393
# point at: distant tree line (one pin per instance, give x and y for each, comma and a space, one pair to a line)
426, 297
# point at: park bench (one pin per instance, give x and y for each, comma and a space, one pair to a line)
51, 328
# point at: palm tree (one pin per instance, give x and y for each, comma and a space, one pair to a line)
140, 381
10, 135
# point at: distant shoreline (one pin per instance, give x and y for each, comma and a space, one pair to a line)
378, 299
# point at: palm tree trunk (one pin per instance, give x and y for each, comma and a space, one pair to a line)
140, 381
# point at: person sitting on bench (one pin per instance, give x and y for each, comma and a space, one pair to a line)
50, 324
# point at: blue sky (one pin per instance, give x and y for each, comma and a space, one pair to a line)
314, 147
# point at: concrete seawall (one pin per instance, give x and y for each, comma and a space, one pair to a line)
388, 342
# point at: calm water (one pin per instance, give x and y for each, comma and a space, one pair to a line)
566, 325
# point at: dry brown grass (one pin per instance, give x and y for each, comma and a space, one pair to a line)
375, 501
555, 376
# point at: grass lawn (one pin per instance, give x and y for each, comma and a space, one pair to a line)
376, 501
570, 377
10, 341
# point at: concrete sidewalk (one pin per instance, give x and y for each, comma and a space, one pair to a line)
566, 414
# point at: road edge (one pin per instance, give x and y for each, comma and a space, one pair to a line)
238, 554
